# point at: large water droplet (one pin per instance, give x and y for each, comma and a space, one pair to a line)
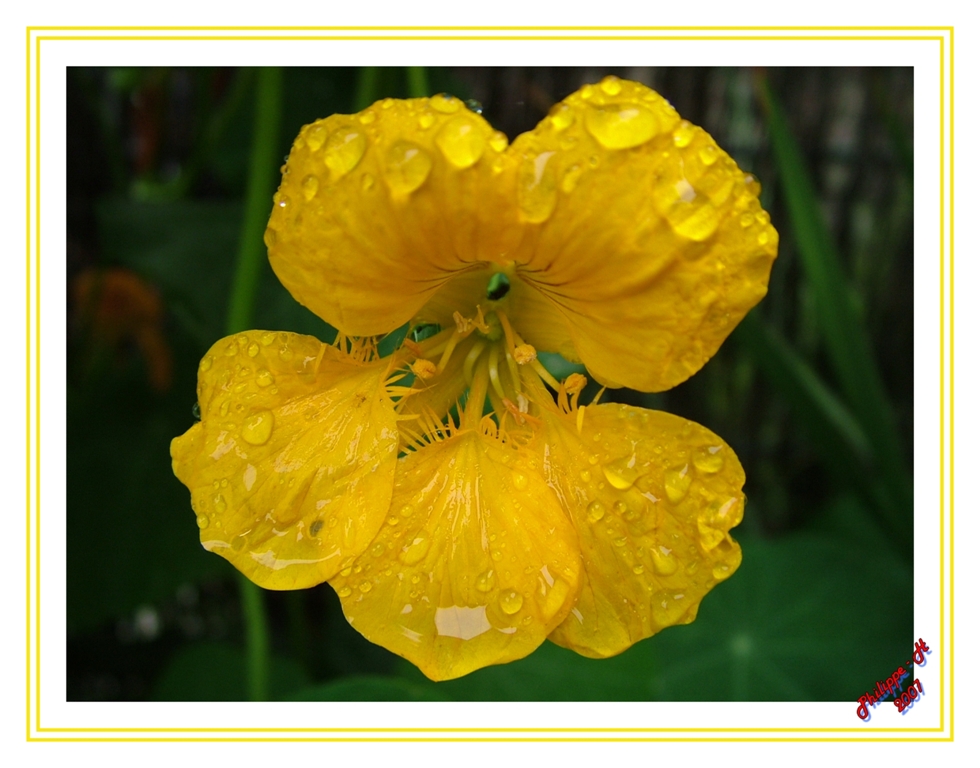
621, 126
708, 459
621, 473
344, 592
263, 378
683, 134
595, 512
676, 483
258, 427
315, 136
498, 141
688, 211
537, 190
407, 167
415, 551
520, 480
344, 151
710, 537
461, 141
561, 116
310, 185
202, 521
663, 561
443, 102
570, 178
511, 601
486, 581
611, 85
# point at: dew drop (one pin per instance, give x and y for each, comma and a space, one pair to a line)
486, 581
763, 238
621, 126
443, 102
263, 378
562, 116
310, 185
267, 338
206, 363
344, 592
708, 459
496, 555
253, 349
537, 192
722, 571
219, 504
664, 562
415, 551
378, 549
202, 521
585, 475
407, 167
621, 473
498, 141
637, 569
683, 134
619, 541
426, 119
676, 483
595, 512
708, 154
285, 353
611, 85
619, 508
365, 587
461, 141
258, 428
367, 182
406, 510
511, 601
746, 219
570, 178
392, 520
315, 137
344, 151
520, 480
231, 350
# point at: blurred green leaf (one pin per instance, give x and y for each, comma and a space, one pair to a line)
368, 689
841, 325
805, 618
215, 672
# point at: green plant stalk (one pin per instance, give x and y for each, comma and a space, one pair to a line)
843, 331
418, 82
251, 252
367, 88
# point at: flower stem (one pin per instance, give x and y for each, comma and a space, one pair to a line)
418, 82
251, 251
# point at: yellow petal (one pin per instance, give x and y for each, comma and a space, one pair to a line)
652, 497
377, 210
645, 236
291, 466
475, 566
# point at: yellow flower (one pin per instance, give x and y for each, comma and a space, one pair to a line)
616, 234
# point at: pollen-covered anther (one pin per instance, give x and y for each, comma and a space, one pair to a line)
524, 354
424, 369
575, 383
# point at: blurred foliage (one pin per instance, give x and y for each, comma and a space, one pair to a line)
814, 392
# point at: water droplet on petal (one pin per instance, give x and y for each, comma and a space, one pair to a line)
407, 167
637, 569
253, 349
537, 192
367, 182
708, 459
219, 504
344, 592
443, 102
520, 480
315, 137
746, 219
344, 151
708, 154
365, 587
498, 141
570, 178
461, 141
415, 551
263, 378
621, 473
683, 134
267, 338
611, 85
406, 510
664, 562
595, 512
722, 571
486, 581
202, 521
258, 428
676, 483
621, 126
310, 185
511, 601
206, 363
366, 118
561, 116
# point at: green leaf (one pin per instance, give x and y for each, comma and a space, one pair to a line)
841, 326
368, 688
805, 618
216, 672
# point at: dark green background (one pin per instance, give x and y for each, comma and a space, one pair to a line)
814, 392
